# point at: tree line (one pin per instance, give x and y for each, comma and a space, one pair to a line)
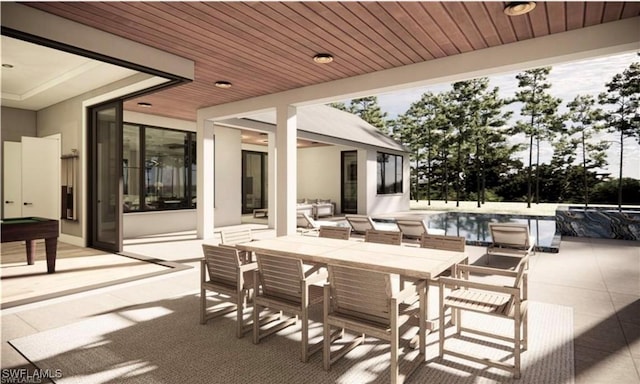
460, 147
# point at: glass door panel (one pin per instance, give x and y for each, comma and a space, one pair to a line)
349, 190
254, 181
106, 177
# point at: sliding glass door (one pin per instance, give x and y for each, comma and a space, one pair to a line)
105, 192
349, 177
254, 181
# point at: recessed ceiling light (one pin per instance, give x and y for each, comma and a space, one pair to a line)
7, 66
144, 105
223, 84
518, 8
323, 58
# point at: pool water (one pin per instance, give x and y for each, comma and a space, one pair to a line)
474, 227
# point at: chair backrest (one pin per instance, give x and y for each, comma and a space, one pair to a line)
281, 277
342, 233
449, 243
383, 237
361, 294
236, 237
412, 228
514, 235
360, 223
222, 263
304, 221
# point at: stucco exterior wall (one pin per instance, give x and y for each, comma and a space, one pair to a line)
228, 177
375, 203
319, 173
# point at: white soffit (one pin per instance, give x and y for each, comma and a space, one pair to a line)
42, 76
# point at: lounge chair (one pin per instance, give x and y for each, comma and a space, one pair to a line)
361, 223
510, 239
303, 220
414, 228
505, 301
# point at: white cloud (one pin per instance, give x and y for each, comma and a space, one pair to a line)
568, 80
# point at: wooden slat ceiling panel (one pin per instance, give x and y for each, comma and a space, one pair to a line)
539, 21
486, 26
466, 23
557, 17
266, 47
447, 24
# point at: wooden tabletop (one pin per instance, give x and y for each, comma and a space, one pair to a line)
416, 262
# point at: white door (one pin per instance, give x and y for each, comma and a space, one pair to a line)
40, 177
12, 184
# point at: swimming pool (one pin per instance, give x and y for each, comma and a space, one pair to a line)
474, 227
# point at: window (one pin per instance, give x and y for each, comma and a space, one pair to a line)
158, 168
389, 173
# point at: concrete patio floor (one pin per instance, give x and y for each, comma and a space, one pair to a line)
598, 278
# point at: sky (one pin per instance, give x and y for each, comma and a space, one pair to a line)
568, 80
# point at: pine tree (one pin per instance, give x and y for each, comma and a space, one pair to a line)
415, 129
586, 122
542, 121
369, 110
623, 93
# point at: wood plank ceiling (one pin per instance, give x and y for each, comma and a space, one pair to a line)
267, 47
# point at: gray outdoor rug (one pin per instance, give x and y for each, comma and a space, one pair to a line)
163, 342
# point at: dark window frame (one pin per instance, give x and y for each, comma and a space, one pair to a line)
389, 184
190, 159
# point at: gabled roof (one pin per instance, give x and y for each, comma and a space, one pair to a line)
333, 126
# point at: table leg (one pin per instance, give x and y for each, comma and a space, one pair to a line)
31, 251
51, 247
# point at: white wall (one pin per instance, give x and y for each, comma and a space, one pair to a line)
228, 176
319, 173
151, 223
375, 203
319, 177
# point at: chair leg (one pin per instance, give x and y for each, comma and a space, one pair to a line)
326, 346
394, 368
305, 336
516, 351
525, 331
442, 310
240, 304
256, 322
203, 306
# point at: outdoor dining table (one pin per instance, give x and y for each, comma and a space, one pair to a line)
413, 262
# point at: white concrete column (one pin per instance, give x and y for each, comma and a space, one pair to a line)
272, 181
286, 170
205, 178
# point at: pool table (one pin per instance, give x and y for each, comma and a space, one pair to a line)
29, 229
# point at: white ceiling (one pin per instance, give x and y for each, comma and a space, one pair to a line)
42, 76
